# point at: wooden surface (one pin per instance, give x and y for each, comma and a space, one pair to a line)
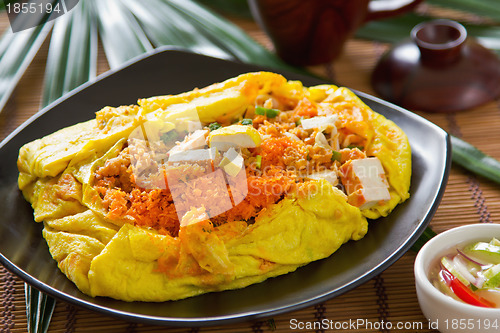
387, 298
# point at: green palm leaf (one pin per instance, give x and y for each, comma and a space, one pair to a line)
72, 54
234, 7
82, 49
121, 35
487, 8
4, 3
56, 60
391, 30
39, 309
396, 29
489, 37
232, 38
177, 30
17, 50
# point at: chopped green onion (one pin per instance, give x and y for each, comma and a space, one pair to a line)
272, 113
214, 126
168, 136
336, 156
269, 113
247, 121
354, 146
260, 111
258, 161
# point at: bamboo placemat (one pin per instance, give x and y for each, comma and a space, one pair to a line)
387, 300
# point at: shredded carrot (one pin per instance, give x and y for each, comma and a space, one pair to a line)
306, 108
273, 151
116, 202
159, 208
154, 208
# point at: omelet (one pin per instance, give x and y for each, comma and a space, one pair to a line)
213, 189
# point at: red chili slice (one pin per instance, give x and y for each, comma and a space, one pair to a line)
462, 291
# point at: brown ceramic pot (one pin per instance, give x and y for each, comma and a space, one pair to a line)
438, 70
311, 32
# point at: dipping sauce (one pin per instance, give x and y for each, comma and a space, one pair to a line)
470, 274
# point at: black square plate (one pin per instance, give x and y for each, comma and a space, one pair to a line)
167, 71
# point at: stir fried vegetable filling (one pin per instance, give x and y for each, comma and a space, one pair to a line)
234, 171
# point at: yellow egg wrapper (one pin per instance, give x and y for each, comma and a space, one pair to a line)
118, 259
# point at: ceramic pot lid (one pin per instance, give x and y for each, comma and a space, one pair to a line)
438, 70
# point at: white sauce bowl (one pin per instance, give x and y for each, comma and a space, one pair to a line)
443, 312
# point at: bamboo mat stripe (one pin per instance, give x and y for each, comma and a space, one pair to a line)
8, 307
383, 306
474, 184
70, 318
319, 316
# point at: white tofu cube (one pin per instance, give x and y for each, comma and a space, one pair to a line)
193, 126
328, 175
194, 155
292, 136
365, 182
232, 162
320, 122
321, 141
195, 140
369, 197
370, 172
